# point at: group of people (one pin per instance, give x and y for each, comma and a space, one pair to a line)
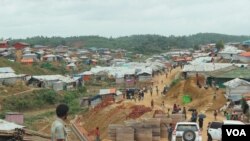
200, 118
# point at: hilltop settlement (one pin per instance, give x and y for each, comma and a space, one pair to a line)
127, 95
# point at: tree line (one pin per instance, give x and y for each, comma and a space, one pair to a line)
146, 44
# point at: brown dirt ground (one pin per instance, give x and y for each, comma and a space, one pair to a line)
117, 113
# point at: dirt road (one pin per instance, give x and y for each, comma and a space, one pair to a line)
168, 104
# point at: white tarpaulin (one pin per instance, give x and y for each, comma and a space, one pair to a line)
7, 126
206, 67
236, 82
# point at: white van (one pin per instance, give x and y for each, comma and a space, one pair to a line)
215, 131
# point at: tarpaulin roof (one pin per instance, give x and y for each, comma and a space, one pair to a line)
236, 82
49, 55
7, 126
71, 65
147, 70
10, 75
6, 70
107, 91
201, 60
232, 72
86, 73
245, 54
235, 97
65, 79
231, 50
206, 67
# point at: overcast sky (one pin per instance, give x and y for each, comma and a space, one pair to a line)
26, 18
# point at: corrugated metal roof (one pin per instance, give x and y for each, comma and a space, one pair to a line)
6, 70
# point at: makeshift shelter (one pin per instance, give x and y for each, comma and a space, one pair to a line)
85, 102
58, 86
95, 100
27, 61
7, 126
50, 57
145, 75
204, 68
235, 88
245, 57
6, 70
230, 52
10, 78
226, 74
119, 96
107, 93
15, 117
71, 66
86, 76
47, 81
30, 56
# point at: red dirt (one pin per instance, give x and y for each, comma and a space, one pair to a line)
138, 110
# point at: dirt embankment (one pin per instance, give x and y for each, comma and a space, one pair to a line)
201, 97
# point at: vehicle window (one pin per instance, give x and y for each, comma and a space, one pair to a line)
216, 125
184, 127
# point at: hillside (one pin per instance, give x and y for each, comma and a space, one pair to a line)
146, 44
23, 69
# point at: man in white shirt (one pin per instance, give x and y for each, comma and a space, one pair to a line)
58, 131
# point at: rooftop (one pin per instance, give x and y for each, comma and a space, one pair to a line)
245, 54
6, 70
232, 72
7, 126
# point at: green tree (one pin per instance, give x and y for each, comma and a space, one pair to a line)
220, 45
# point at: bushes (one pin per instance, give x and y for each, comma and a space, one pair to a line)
34, 100
43, 98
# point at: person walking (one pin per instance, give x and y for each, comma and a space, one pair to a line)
170, 131
195, 115
201, 123
96, 133
58, 130
152, 104
215, 115
228, 116
184, 112
163, 105
142, 95
168, 113
151, 91
157, 90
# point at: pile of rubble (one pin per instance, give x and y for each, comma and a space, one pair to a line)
138, 110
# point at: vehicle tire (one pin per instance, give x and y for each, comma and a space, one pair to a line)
209, 138
189, 135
